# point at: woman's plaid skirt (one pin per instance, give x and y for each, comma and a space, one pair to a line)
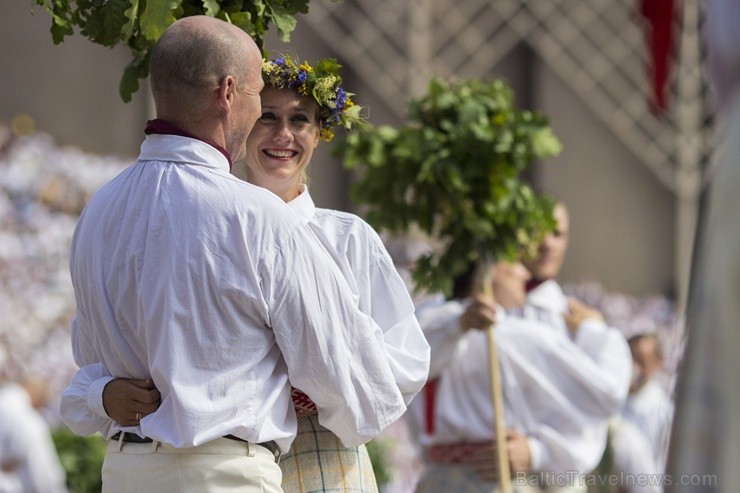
318, 462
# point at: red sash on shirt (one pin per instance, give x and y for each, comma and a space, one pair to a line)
162, 127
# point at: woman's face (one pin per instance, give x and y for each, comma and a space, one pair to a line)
282, 141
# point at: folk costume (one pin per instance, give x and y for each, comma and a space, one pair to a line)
595, 343
548, 397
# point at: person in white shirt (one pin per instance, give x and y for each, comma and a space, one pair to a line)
648, 404
548, 400
215, 290
28, 459
593, 340
639, 437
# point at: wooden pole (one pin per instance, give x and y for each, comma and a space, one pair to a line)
502, 455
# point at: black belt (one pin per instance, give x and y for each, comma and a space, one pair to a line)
134, 438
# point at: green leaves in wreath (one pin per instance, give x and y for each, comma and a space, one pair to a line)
454, 171
139, 23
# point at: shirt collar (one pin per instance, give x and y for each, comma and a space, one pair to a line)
534, 282
548, 295
303, 205
163, 127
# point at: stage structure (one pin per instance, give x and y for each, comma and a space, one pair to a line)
601, 50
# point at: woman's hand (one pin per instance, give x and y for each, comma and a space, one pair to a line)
127, 400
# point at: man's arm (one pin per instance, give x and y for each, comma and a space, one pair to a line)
94, 400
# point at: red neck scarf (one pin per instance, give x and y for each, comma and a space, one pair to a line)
163, 127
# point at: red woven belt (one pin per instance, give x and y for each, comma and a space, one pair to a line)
455, 453
303, 405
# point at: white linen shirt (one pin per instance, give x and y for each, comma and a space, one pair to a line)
599, 347
604, 345
373, 280
209, 285
548, 393
650, 408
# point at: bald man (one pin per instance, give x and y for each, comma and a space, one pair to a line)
212, 287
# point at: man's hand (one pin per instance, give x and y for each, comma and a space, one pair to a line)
480, 314
485, 461
577, 313
519, 458
127, 400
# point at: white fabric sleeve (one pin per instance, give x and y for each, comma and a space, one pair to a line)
559, 397
393, 310
608, 348
81, 406
334, 353
535, 453
557, 452
440, 323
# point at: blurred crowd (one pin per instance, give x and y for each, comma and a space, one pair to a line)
43, 188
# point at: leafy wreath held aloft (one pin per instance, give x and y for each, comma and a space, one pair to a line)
455, 172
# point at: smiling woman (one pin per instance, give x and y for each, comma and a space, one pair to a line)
282, 142
299, 107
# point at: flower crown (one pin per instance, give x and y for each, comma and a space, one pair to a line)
323, 84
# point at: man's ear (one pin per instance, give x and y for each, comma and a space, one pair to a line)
226, 91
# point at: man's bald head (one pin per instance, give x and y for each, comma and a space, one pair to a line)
193, 55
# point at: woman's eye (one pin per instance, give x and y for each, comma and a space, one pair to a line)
300, 118
267, 117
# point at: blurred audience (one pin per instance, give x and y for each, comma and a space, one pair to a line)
28, 458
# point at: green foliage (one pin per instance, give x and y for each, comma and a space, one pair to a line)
454, 171
139, 23
81, 458
378, 450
